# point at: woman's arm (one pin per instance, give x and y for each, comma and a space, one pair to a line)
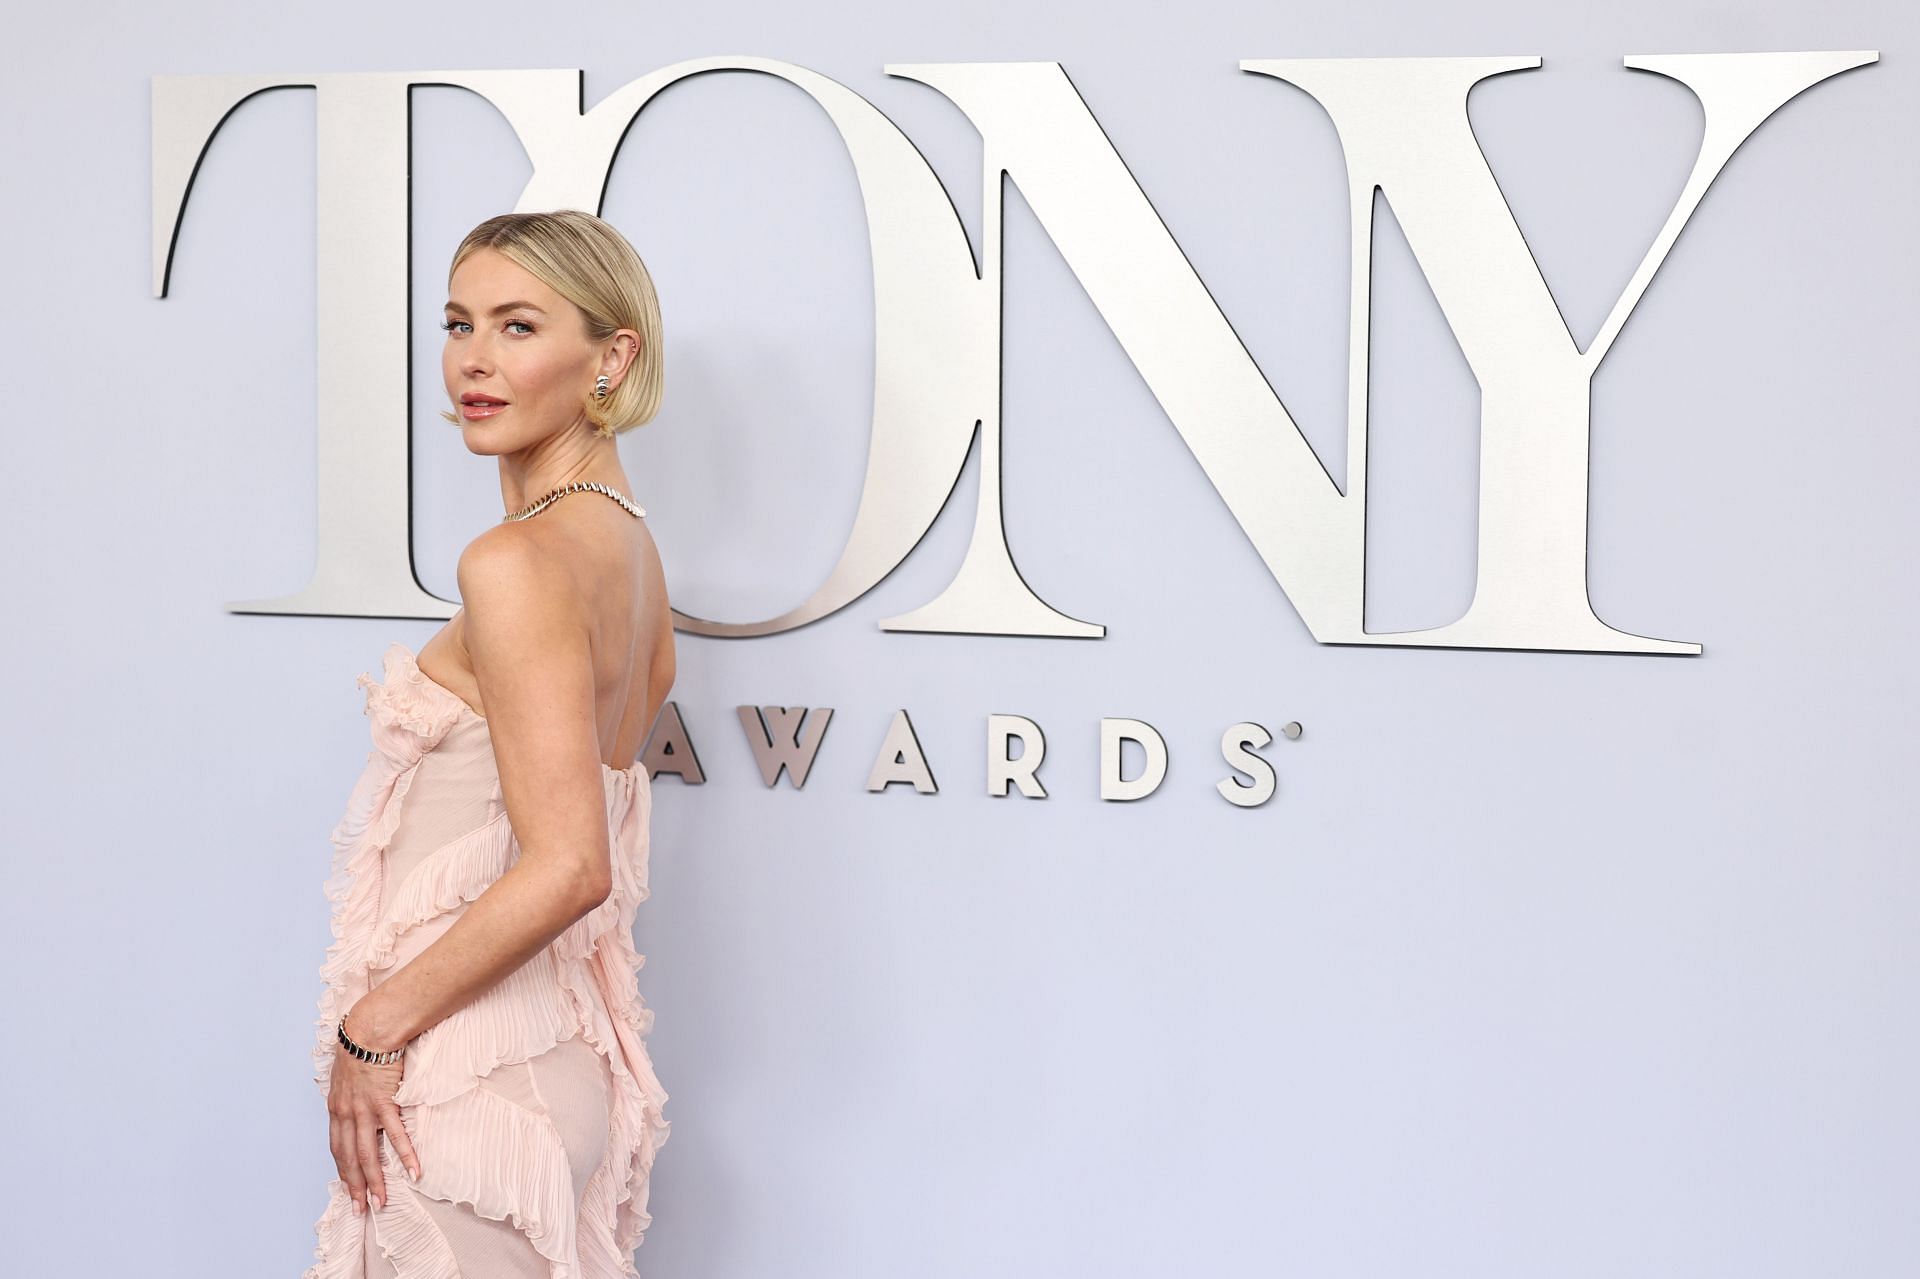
528, 641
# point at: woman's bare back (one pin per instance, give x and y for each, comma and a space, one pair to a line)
617, 573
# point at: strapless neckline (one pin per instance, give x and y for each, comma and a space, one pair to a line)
466, 709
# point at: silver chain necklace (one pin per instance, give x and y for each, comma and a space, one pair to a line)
575, 486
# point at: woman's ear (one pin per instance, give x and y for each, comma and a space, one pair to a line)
621, 355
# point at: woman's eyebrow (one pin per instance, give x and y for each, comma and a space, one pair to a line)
502, 309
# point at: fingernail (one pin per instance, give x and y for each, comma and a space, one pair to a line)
358, 1208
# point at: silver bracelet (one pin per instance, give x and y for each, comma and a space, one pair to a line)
385, 1058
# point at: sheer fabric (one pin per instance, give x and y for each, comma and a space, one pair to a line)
535, 1109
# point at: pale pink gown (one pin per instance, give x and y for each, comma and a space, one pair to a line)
534, 1110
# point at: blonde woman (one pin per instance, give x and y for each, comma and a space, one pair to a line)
491, 1106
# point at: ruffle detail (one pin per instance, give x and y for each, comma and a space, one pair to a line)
451, 876
409, 718
584, 983
354, 890
340, 1237
403, 1231
605, 963
523, 1015
511, 1166
405, 700
615, 1201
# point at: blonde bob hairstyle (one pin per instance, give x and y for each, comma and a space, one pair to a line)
590, 264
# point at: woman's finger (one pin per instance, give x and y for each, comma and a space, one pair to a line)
369, 1150
347, 1161
396, 1130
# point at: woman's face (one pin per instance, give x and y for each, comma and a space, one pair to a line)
516, 342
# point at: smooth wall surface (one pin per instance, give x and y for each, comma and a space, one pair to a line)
1539, 964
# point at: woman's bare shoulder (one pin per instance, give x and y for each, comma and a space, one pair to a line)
516, 567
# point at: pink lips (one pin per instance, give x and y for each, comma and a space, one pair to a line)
473, 412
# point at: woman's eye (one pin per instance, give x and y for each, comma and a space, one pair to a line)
451, 325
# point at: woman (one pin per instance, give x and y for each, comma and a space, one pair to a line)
492, 1109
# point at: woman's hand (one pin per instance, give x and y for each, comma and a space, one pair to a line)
359, 1104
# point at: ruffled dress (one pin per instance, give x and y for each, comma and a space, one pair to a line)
534, 1110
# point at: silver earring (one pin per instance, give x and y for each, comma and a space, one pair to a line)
600, 387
